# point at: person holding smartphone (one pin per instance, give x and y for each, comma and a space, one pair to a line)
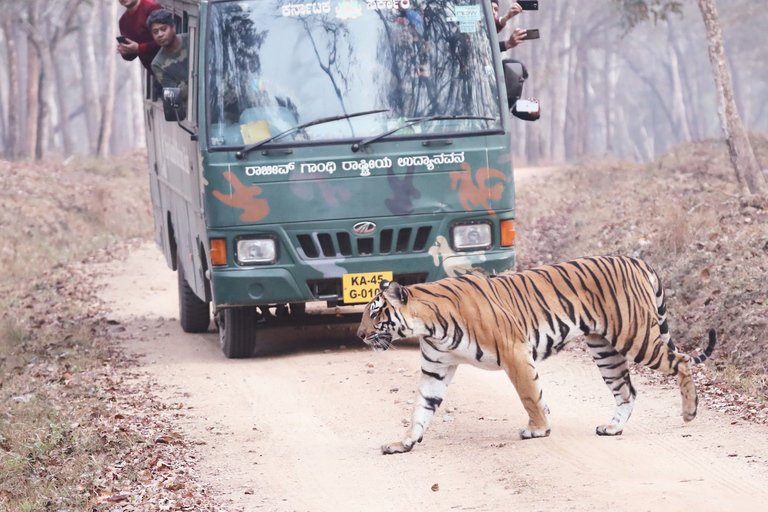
515, 38
513, 11
518, 35
135, 38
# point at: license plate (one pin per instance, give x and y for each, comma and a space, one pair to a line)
360, 288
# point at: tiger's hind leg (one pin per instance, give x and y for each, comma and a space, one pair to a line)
687, 387
679, 365
614, 369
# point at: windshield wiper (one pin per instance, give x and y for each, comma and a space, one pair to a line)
247, 149
410, 122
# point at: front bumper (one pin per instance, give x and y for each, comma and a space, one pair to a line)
255, 286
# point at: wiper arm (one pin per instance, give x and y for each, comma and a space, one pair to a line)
410, 122
247, 149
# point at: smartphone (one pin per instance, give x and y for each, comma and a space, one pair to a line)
529, 106
529, 5
122, 39
531, 33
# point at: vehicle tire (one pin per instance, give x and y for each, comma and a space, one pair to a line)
237, 331
194, 313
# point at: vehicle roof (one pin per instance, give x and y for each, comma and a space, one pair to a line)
179, 4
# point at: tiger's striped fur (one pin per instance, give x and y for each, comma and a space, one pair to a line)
510, 321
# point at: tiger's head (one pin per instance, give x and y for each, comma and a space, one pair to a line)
384, 317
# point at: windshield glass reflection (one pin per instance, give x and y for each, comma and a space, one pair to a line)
273, 65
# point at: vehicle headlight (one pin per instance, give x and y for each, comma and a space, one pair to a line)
472, 236
256, 250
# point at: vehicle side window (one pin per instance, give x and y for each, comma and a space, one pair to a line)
153, 89
147, 84
182, 22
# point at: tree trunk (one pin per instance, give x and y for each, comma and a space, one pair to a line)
46, 95
584, 111
647, 141
33, 86
43, 37
61, 99
12, 138
748, 172
573, 103
577, 98
91, 98
678, 105
611, 78
561, 58
3, 124
105, 132
627, 142
137, 107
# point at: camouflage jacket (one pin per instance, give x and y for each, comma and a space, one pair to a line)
172, 69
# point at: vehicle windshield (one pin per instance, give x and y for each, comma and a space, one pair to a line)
273, 65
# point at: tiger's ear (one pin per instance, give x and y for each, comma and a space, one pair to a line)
396, 295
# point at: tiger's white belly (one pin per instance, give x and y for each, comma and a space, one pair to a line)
465, 353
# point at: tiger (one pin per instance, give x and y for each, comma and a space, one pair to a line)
512, 320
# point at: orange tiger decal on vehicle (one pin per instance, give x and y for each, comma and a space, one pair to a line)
510, 321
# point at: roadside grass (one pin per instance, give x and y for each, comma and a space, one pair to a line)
54, 213
80, 428
51, 413
53, 409
51, 447
682, 215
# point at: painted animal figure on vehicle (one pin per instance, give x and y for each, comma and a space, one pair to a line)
510, 321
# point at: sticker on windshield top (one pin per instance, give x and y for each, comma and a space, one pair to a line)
306, 8
348, 10
393, 5
468, 16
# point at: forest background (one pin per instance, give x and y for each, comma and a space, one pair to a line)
607, 86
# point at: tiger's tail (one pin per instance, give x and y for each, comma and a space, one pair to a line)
661, 310
708, 351
661, 316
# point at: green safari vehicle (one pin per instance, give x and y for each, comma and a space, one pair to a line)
326, 146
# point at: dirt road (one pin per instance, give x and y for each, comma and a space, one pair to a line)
301, 431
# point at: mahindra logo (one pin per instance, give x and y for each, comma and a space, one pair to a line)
364, 228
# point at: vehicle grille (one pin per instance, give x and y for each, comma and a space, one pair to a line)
341, 243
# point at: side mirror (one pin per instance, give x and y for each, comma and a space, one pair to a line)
173, 109
172, 104
514, 78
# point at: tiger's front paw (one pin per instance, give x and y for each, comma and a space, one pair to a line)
398, 447
609, 430
528, 433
